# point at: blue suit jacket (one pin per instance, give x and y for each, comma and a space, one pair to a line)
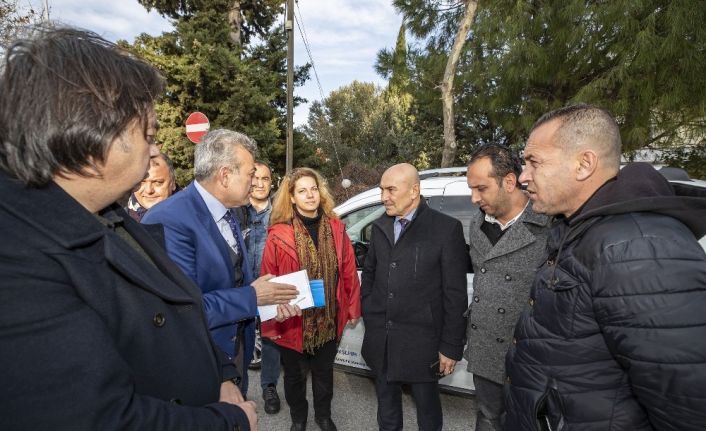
196, 245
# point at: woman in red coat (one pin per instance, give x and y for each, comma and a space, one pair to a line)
304, 233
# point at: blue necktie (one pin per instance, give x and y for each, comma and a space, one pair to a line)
403, 224
233, 223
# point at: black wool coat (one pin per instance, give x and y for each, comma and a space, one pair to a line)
93, 336
413, 295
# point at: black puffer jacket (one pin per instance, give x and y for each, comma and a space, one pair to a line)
614, 337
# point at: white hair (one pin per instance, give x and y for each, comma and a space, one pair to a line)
216, 151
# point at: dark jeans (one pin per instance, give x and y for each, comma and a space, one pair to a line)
296, 367
491, 405
270, 365
426, 398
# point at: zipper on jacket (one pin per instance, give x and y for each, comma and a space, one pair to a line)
549, 411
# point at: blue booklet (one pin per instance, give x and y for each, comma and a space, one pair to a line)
317, 292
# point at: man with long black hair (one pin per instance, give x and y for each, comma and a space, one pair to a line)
99, 329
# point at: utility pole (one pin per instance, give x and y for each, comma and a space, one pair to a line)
290, 84
46, 11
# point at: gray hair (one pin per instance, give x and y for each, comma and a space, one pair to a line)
587, 126
216, 151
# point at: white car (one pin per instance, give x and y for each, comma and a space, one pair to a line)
445, 190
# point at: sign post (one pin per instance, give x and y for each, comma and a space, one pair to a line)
196, 126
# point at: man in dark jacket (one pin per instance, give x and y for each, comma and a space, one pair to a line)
413, 296
613, 335
99, 330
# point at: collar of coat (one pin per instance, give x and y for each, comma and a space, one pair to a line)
516, 237
386, 222
70, 226
283, 235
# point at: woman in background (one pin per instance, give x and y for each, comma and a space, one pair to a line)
305, 234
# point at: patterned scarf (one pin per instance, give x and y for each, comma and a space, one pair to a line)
319, 323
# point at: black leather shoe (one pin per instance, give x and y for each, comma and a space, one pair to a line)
326, 424
272, 404
298, 426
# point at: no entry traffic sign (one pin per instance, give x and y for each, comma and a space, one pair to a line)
196, 126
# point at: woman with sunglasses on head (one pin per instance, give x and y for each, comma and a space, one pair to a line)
305, 234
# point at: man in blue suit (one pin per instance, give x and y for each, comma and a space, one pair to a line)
203, 237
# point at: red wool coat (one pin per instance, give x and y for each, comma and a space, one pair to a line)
280, 257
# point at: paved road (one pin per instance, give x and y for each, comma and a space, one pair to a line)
354, 406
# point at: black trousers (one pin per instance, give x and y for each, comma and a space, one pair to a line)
491, 405
426, 398
296, 367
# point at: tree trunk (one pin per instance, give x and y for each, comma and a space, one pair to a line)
235, 19
449, 152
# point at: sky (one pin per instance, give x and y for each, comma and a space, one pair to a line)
344, 35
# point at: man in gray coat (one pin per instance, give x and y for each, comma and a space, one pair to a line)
507, 241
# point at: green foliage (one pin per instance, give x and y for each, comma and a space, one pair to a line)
643, 60
640, 60
258, 15
243, 90
399, 79
434, 24
362, 124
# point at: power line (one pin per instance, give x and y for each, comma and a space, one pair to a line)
302, 32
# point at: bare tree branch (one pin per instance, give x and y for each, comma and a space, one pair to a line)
449, 152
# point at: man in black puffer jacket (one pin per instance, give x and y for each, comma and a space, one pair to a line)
614, 334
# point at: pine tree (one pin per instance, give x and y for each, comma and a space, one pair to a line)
246, 18
399, 78
643, 60
237, 87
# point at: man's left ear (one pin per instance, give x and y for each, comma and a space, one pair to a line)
415, 189
509, 182
223, 173
587, 165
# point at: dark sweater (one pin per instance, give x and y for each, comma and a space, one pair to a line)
312, 226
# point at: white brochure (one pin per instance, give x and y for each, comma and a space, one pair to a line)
298, 279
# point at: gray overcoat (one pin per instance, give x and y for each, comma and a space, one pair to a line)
503, 274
